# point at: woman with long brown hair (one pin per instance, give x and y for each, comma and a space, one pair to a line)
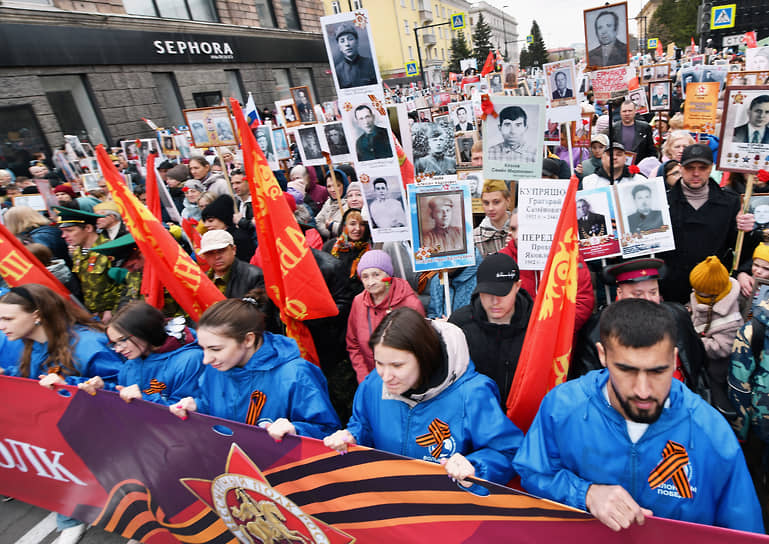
257, 377
62, 342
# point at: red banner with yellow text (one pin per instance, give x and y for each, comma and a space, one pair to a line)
179, 273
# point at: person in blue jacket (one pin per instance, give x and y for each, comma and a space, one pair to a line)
163, 362
426, 401
10, 353
257, 377
62, 342
629, 441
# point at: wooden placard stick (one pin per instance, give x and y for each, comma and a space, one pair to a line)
227, 179
327, 156
745, 207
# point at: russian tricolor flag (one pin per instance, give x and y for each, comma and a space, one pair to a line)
252, 114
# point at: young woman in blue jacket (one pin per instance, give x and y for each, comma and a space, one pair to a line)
426, 401
257, 377
162, 360
62, 342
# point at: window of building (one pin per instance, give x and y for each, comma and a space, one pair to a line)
266, 14
290, 14
20, 136
170, 97
195, 10
443, 12
304, 75
235, 85
413, 5
406, 27
72, 105
357, 4
443, 53
282, 81
411, 52
335, 7
207, 99
403, 3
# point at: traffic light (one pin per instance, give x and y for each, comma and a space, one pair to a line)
703, 13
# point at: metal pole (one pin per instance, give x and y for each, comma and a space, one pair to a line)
419, 56
611, 141
504, 34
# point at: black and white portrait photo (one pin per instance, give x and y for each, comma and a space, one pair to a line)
372, 137
559, 83
745, 130
638, 97
512, 142
337, 142
495, 82
350, 47
589, 222
755, 129
263, 135
462, 116
287, 113
464, 147
385, 203
474, 179
644, 211
687, 76
433, 147
304, 105
659, 91
606, 36
310, 144
645, 217
280, 139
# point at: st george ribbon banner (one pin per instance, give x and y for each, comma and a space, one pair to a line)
137, 470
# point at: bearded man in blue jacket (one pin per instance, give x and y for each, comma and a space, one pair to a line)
629, 441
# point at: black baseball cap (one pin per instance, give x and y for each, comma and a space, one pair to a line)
696, 153
615, 145
497, 275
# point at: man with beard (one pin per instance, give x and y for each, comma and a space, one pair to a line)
629, 441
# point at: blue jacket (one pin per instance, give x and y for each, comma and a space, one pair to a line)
177, 373
578, 439
292, 388
467, 402
461, 289
90, 354
10, 353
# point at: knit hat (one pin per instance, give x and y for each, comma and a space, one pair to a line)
710, 281
193, 184
376, 258
355, 185
762, 252
221, 208
65, 188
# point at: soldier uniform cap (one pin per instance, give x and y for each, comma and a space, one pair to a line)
634, 271
71, 217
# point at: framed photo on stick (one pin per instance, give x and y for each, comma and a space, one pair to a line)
659, 91
744, 131
211, 127
606, 36
304, 106
350, 48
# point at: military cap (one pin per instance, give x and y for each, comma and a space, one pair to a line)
634, 271
73, 217
345, 28
118, 247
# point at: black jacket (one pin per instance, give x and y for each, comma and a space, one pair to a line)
243, 278
643, 142
710, 230
691, 351
495, 348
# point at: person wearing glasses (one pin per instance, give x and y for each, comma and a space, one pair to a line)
162, 359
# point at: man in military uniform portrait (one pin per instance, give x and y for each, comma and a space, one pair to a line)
353, 69
589, 223
374, 143
644, 218
443, 234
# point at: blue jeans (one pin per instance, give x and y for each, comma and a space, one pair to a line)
64, 522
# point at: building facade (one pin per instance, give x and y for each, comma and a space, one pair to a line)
504, 29
393, 24
95, 68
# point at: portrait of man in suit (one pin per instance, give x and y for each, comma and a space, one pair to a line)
374, 141
644, 218
755, 130
462, 124
610, 50
589, 223
561, 86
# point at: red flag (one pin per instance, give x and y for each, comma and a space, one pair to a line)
189, 228
291, 275
498, 58
407, 168
488, 66
544, 359
18, 266
151, 287
659, 51
181, 276
694, 46
750, 39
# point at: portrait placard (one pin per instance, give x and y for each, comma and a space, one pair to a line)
686, 76
512, 142
424, 115
210, 127
350, 47
433, 147
287, 114
509, 76
282, 151
36, 202
757, 59
581, 131
331, 111
700, 111
305, 108
660, 95
596, 223
441, 224
495, 82
539, 206
338, 146
645, 225
310, 147
638, 97
139, 150
464, 147
744, 133
264, 137
385, 204
609, 84
606, 36
474, 179
168, 145
559, 83
741, 79
553, 132
462, 116
759, 207
366, 122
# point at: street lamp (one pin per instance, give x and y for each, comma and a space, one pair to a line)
504, 29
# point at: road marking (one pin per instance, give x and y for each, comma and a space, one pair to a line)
40, 531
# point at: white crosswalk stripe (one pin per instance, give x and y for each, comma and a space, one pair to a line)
39, 531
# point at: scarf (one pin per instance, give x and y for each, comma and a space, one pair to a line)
344, 245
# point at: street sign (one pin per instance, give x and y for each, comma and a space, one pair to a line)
722, 16
458, 21
732, 41
529, 39
412, 69
652, 43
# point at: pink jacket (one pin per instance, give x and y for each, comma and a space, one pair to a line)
365, 317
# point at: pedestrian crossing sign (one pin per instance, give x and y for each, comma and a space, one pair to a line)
458, 21
722, 16
529, 39
652, 43
412, 69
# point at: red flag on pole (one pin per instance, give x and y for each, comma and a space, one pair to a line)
181, 276
750, 39
659, 51
544, 359
151, 287
18, 266
694, 46
407, 168
189, 228
488, 66
291, 275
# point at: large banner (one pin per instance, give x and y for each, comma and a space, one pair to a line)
137, 470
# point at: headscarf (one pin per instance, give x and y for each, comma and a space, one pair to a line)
343, 243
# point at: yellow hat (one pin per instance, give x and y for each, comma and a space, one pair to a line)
106, 207
762, 252
710, 281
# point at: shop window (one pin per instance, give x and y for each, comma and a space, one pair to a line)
72, 105
20, 137
170, 97
235, 85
